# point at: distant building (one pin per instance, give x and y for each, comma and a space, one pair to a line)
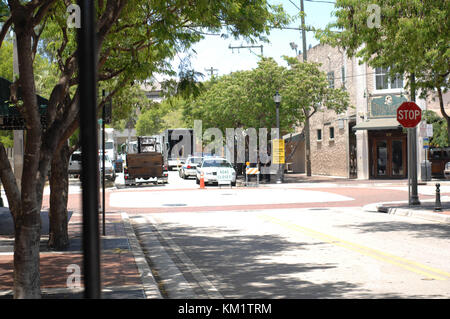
153, 90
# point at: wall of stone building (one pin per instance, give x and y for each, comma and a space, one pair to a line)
297, 161
330, 156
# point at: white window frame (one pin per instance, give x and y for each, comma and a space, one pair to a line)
389, 89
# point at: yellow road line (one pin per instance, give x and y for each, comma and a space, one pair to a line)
418, 268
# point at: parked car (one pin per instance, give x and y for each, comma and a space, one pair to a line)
190, 167
75, 163
210, 168
110, 172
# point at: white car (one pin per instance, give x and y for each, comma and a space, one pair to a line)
215, 168
190, 167
110, 172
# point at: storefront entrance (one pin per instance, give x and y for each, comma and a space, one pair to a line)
388, 154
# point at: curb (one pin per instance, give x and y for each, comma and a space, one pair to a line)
172, 279
407, 212
150, 286
415, 213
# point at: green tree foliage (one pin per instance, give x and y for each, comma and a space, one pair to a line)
135, 39
160, 116
45, 80
411, 36
6, 61
245, 98
440, 136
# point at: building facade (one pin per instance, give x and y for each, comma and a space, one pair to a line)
365, 141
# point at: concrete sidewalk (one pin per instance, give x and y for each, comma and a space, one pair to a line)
124, 271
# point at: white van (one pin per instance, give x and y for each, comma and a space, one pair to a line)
75, 163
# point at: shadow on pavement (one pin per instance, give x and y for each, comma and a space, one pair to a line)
242, 266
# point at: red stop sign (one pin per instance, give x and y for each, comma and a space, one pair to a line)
409, 114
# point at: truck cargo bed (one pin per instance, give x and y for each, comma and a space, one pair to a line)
145, 165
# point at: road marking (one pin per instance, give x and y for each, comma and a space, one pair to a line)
429, 272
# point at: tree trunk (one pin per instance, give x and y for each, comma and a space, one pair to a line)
444, 114
59, 188
26, 257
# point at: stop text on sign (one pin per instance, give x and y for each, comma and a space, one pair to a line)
409, 114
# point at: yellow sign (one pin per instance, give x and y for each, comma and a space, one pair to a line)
278, 151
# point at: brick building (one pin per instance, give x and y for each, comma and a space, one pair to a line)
366, 141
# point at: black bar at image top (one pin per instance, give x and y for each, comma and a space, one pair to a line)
87, 59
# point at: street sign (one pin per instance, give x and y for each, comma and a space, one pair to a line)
409, 114
429, 130
224, 176
426, 143
278, 151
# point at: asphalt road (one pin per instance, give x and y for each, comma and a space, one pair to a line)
290, 241
309, 253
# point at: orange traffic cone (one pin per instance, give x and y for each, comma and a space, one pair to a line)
202, 181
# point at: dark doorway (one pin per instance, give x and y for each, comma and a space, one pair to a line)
388, 154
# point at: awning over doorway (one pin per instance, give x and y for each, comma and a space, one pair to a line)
378, 124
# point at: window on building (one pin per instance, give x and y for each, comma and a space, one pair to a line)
330, 76
319, 134
384, 82
331, 133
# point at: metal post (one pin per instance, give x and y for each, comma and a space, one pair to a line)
18, 135
413, 136
103, 165
307, 127
279, 137
87, 57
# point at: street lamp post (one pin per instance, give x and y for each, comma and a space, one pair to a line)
277, 100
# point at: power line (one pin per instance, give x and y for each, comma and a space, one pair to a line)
319, 1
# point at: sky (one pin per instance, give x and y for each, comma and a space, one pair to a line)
214, 51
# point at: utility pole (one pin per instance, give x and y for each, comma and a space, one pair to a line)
248, 47
211, 71
306, 128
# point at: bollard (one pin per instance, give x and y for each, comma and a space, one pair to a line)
437, 205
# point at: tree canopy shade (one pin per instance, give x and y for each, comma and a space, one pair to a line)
135, 38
